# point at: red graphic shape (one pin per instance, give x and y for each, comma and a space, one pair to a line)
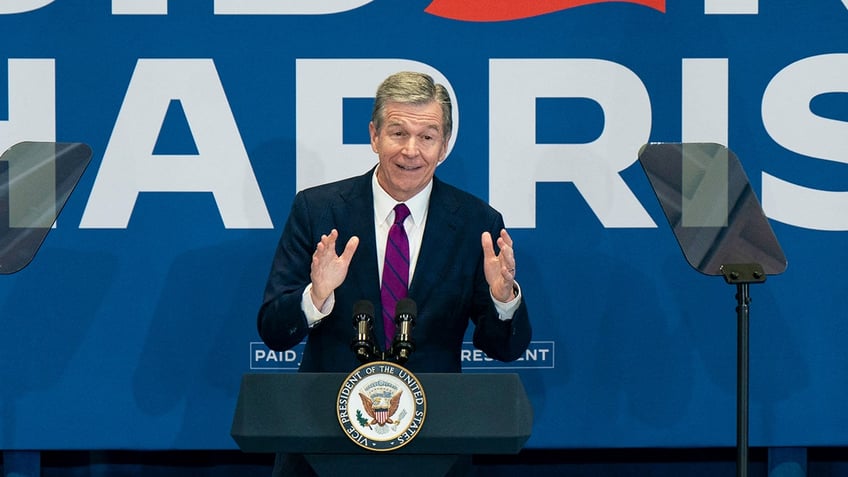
503, 10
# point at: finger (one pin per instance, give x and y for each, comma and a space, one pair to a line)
488, 246
507, 254
350, 248
504, 244
507, 258
331, 239
506, 237
506, 250
327, 243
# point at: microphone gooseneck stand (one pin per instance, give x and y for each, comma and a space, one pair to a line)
403, 346
363, 342
364, 345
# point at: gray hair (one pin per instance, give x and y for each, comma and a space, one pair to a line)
412, 88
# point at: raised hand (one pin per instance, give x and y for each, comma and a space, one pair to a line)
499, 268
329, 270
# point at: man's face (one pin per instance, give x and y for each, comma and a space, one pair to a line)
410, 145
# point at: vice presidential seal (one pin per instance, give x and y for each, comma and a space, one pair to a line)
381, 406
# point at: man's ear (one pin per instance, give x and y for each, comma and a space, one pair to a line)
445, 156
372, 131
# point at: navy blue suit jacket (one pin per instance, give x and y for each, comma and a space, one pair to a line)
449, 286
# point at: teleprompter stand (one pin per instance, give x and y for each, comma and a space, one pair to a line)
722, 230
36, 179
466, 414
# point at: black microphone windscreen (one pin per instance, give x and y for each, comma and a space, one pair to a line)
405, 306
363, 307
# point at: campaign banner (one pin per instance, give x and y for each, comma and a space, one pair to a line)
134, 322
539, 355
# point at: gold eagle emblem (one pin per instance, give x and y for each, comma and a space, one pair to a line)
381, 409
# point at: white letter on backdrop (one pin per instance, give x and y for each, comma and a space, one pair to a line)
790, 122
21, 6
221, 165
139, 7
32, 102
705, 100
285, 7
517, 163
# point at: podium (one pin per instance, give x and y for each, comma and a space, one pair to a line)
466, 414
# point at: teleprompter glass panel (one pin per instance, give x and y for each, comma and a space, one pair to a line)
36, 179
711, 207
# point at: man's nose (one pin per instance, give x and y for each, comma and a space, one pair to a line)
410, 147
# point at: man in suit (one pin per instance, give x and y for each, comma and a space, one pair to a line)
461, 261
457, 271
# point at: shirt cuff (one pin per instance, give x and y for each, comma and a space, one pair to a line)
313, 314
506, 310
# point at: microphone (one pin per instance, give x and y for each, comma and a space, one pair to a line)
363, 344
405, 313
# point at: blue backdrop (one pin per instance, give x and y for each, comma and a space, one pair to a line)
134, 323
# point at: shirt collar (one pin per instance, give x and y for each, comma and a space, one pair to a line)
384, 204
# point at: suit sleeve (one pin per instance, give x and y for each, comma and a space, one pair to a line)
503, 340
281, 321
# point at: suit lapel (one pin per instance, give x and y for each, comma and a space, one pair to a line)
440, 235
356, 214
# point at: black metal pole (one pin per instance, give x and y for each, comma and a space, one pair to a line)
742, 300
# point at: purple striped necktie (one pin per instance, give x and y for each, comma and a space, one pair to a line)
395, 271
